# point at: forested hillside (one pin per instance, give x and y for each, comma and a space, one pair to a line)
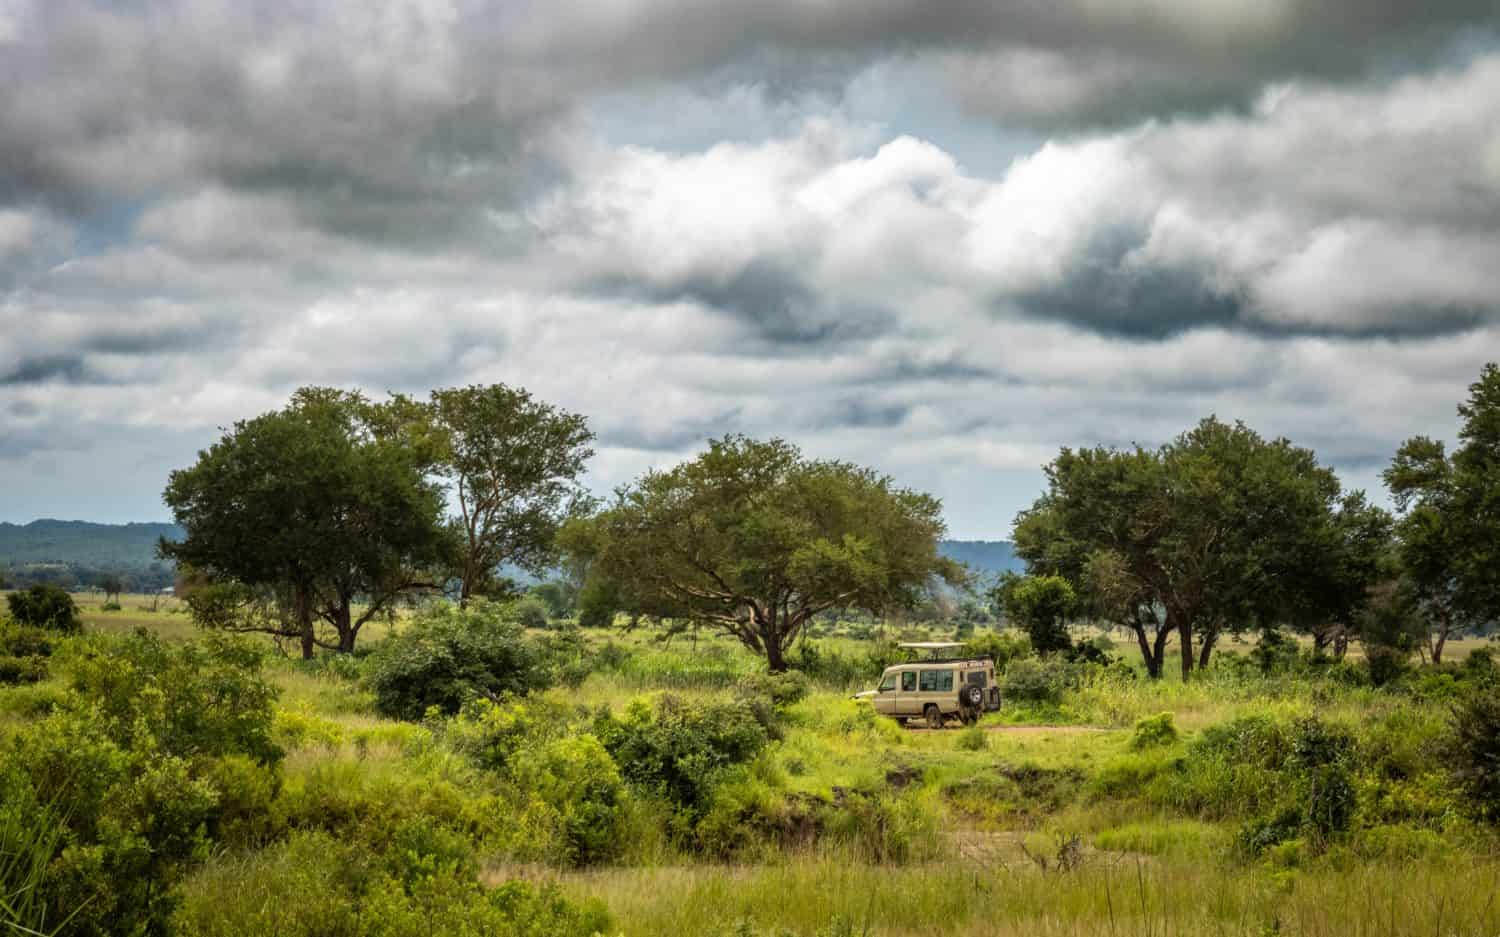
81, 543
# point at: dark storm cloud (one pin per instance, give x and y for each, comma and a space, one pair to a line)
69, 368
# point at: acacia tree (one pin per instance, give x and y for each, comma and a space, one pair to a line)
1200, 536
297, 514
1449, 530
752, 539
513, 463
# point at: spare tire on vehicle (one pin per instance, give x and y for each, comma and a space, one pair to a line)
973, 697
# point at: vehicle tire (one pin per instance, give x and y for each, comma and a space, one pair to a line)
973, 697
934, 717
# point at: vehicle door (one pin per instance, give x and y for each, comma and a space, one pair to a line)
908, 701
886, 695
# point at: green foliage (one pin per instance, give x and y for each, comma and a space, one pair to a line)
579, 784
1041, 606
132, 761
491, 734
1449, 526
1029, 680
45, 606
971, 739
1274, 652
315, 885
1153, 732
1474, 751
198, 699
680, 749
528, 612
753, 539
1001, 647
513, 462
23, 653
1218, 527
447, 655
344, 484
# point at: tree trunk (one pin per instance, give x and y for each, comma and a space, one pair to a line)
343, 618
1341, 644
1153, 666
305, 624
1208, 646
1185, 637
774, 656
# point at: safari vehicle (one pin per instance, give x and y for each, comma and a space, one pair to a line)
938, 688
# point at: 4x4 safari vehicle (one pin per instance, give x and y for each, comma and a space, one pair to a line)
938, 688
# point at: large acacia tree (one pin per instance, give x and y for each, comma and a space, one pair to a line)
311, 520
1217, 530
752, 539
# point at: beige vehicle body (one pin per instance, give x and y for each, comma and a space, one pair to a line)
937, 690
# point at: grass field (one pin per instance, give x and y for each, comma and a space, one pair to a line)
1047, 819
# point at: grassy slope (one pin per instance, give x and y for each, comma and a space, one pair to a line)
1146, 870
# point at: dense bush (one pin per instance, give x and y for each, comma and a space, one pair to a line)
528, 612
1153, 732
45, 606
315, 885
583, 794
23, 653
680, 749
1029, 680
448, 655
1474, 751
206, 698
132, 763
1001, 647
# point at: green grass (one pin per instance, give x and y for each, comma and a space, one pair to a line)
997, 800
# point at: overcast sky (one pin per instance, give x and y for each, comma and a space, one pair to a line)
941, 237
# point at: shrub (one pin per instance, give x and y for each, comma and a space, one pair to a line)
314, 885
528, 612
971, 739
134, 760
490, 734
45, 606
679, 749
204, 698
1274, 653
1153, 731
1041, 606
448, 655
1000, 647
1036, 681
1474, 751
581, 787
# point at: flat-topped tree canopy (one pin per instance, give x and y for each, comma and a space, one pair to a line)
752, 539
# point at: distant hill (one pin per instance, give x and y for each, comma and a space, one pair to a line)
80, 544
989, 558
131, 547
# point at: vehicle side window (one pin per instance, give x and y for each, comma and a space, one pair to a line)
929, 681
976, 678
945, 684
888, 684
908, 681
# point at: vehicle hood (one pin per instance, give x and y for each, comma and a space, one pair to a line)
867, 694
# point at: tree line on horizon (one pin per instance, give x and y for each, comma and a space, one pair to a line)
310, 521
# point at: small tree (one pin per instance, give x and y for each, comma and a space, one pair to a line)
513, 462
1449, 531
1041, 606
45, 606
754, 540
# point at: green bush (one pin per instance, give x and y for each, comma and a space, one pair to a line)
45, 606
24, 653
1001, 647
679, 749
1030, 680
971, 739
204, 698
315, 885
135, 761
448, 655
1474, 751
1153, 731
528, 612
581, 787
491, 734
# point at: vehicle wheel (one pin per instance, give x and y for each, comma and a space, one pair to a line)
934, 717
973, 698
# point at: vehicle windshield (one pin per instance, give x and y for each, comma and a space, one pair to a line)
888, 684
